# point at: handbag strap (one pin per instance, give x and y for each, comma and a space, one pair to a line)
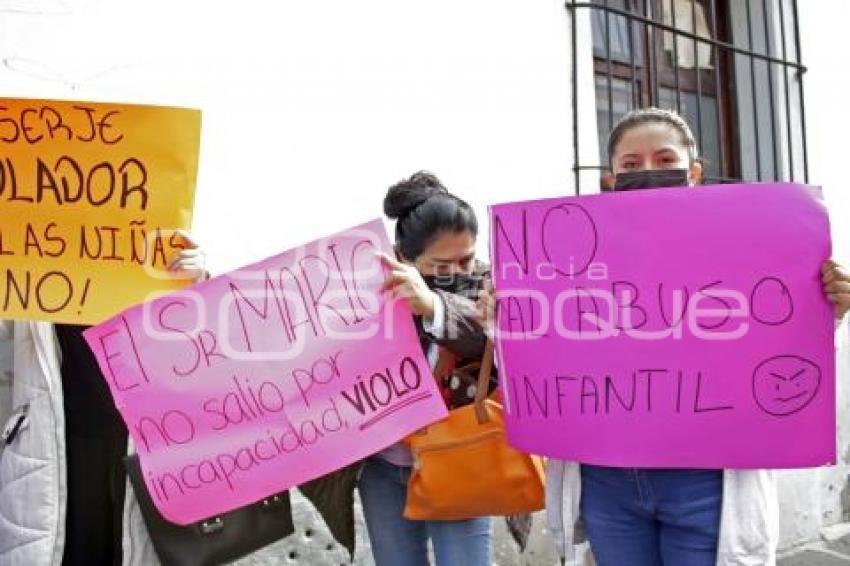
446, 362
484, 373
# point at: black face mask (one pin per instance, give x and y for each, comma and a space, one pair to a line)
651, 179
459, 284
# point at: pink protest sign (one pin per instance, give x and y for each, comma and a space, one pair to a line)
259, 380
668, 327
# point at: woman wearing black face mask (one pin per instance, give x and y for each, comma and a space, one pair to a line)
652, 149
661, 517
436, 271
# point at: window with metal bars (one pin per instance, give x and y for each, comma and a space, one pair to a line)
731, 68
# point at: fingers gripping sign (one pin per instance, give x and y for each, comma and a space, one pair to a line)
836, 285
191, 262
404, 282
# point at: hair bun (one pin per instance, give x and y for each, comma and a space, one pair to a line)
406, 195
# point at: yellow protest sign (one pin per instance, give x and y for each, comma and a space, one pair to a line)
90, 197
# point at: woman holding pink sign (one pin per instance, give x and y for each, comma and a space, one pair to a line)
436, 271
657, 517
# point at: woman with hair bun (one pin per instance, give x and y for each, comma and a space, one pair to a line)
436, 271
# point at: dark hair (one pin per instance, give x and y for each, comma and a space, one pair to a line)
648, 116
424, 208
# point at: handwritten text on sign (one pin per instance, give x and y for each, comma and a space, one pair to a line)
90, 195
257, 381
668, 327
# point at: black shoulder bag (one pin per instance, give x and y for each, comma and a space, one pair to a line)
217, 540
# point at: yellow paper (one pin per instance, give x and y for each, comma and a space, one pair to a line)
90, 196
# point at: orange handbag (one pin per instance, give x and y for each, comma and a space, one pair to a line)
463, 466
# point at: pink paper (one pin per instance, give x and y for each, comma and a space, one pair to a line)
259, 380
739, 373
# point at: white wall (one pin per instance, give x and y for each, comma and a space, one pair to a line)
812, 500
827, 83
312, 109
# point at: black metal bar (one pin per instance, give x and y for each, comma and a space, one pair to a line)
698, 72
721, 44
650, 33
717, 91
635, 92
787, 92
735, 102
802, 101
773, 136
647, 94
574, 55
676, 57
610, 72
753, 88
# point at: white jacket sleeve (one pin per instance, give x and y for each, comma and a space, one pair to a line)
6, 348
749, 522
6, 327
6, 369
563, 496
554, 505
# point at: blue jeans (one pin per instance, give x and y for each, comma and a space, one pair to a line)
397, 541
652, 517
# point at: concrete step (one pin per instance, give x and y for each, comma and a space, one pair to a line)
815, 557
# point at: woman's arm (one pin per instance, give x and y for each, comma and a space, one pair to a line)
451, 319
462, 332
